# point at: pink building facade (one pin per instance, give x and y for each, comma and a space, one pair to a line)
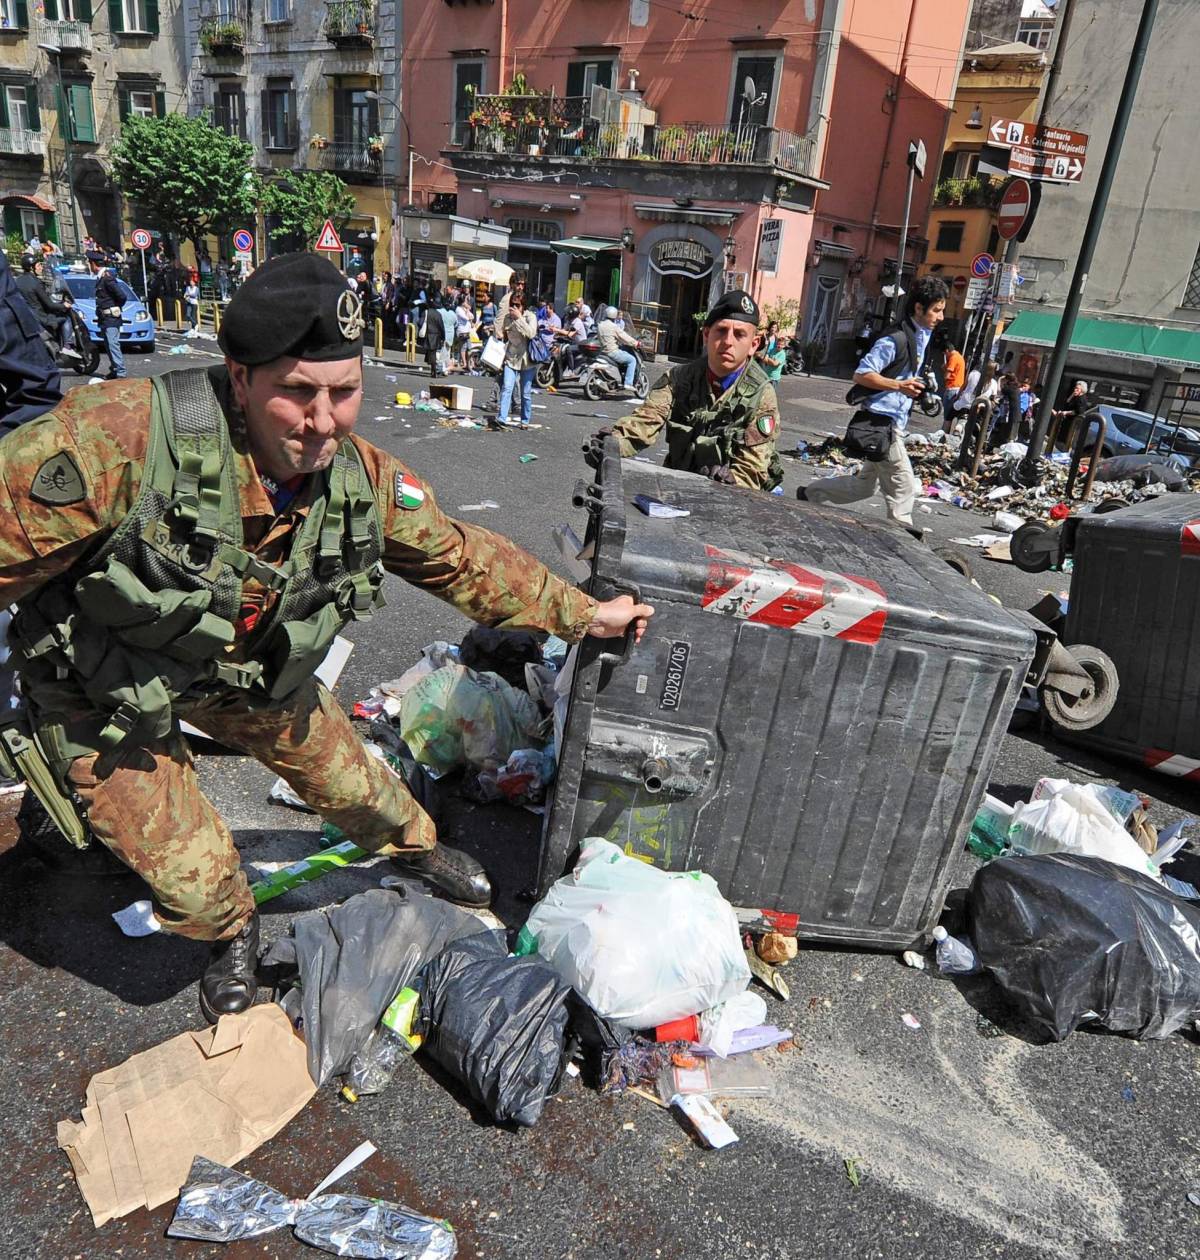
655, 159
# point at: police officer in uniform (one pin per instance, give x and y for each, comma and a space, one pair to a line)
30, 382
187, 548
109, 303
720, 410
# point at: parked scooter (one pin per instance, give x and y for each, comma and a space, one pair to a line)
795, 359
605, 378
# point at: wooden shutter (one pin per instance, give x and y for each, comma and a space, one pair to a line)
264, 109
31, 103
160, 103
83, 125
122, 102
293, 120
51, 8
3, 106
152, 16
22, 15
83, 11
116, 17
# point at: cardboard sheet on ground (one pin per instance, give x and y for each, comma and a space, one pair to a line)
220, 1093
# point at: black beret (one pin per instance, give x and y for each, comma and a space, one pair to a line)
736, 304
296, 305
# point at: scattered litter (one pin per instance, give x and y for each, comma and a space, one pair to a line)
656, 507
767, 975
910, 1021
744, 1076
486, 506
284, 794
1193, 1198
1127, 1094
526, 459
306, 870
1000, 492
705, 1119
776, 947
911, 958
403, 399
1008, 522
180, 349
1001, 550
853, 1164
137, 919
954, 957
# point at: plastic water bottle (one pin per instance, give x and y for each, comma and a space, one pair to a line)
373, 1067
954, 957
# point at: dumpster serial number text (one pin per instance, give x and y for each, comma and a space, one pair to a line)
677, 662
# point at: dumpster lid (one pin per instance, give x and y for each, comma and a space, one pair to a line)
767, 561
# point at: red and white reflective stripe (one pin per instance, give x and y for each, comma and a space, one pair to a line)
1177, 766
794, 597
1189, 539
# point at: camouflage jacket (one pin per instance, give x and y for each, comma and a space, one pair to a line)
57, 512
705, 429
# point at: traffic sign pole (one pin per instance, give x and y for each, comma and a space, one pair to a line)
1028, 471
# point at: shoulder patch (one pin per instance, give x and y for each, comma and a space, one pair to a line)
766, 425
408, 491
761, 429
58, 482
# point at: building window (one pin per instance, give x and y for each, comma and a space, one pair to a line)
80, 124
535, 229
468, 80
355, 117
135, 16
582, 76
753, 101
949, 237
229, 110
14, 15
279, 124
278, 11
1035, 33
1191, 292
14, 107
141, 104
140, 100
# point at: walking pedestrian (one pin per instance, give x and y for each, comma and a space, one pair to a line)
432, 335
517, 328
886, 383
191, 303
109, 301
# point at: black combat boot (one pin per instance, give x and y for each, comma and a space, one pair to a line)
228, 984
456, 873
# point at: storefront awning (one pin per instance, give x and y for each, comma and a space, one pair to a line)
584, 246
1147, 343
684, 214
29, 199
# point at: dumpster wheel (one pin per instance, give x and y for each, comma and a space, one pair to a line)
1026, 554
1081, 713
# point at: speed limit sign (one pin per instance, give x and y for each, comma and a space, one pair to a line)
141, 238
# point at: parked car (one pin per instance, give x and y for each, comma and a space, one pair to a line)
137, 326
1129, 432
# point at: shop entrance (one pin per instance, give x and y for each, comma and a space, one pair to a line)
680, 299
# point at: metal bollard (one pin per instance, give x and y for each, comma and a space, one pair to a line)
410, 342
158, 312
216, 317
980, 414
379, 338
178, 315
1093, 458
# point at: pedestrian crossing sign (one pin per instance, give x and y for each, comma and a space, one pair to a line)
329, 238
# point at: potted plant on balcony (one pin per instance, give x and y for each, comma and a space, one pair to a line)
375, 147
318, 141
363, 23
222, 37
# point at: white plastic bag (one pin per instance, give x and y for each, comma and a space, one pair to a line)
1074, 818
644, 946
492, 355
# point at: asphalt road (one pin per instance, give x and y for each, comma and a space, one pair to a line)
973, 1140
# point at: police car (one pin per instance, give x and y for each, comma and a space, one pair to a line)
137, 326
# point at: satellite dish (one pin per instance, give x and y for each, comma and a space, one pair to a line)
749, 91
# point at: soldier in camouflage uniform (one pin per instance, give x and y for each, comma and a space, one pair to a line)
720, 411
185, 549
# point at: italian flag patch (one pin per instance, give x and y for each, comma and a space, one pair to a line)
408, 491
766, 425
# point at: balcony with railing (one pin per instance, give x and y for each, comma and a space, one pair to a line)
562, 127
224, 29
355, 157
350, 23
71, 37
21, 142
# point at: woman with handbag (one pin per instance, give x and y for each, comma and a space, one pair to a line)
517, 328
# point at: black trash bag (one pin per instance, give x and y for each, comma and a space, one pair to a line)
1142, 470
496, 1024
593, 1039
503, 652
343, 965
1074, 940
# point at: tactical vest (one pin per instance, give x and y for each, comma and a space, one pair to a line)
148, 620
701, 433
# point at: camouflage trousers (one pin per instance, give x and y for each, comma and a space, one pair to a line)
149, 810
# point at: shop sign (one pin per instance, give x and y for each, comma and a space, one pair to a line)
681, 258
770, 239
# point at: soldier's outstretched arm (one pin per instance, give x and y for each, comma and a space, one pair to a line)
484, 575
62, 486
641, 429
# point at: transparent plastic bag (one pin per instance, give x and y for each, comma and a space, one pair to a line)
742, 1077
643, 946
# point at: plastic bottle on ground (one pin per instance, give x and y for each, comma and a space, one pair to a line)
373, 1067
954, 957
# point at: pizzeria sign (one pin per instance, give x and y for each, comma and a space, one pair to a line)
681, 258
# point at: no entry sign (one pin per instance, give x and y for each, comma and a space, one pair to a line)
1014, 208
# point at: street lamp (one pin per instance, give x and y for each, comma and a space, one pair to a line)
372, 95
54, 51
975, 122
626, 237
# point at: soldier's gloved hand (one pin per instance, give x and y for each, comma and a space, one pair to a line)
722, 473
593, 448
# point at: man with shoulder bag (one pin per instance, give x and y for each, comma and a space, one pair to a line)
886, 384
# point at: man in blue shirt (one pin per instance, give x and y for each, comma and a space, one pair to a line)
894, 385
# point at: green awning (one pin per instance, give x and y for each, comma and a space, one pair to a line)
1149, 343
584, 246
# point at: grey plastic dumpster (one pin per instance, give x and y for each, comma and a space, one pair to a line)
811, 717
1135, 594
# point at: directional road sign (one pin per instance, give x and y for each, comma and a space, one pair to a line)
329, 238
243, 241
141, 238
1056, 140
982, 264
977, 290
1014, 208
1053, 166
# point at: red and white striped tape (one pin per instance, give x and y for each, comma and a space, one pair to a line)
1189, 538
1177, 766
794, 597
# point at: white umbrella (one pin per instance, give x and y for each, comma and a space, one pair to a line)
485, 271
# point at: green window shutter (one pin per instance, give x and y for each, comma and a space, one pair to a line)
152, 16
116, 17
51, 7
264, 114
22, 15
122, 102
160, 104
31, 103
83, 11
3, 106
84, 124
